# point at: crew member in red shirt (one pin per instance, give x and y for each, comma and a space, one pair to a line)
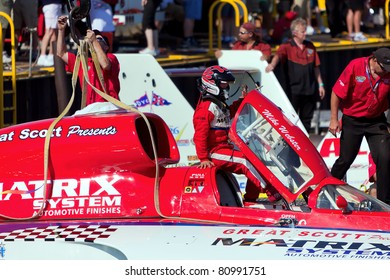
108, 63
303, 72
361, 93
249, 38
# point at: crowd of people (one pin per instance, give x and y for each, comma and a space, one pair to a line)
37, 19
273, 18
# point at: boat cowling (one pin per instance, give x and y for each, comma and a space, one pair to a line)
82, 149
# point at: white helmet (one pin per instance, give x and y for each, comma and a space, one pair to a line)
216, 81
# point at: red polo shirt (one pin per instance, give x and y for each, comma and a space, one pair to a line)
300, 66
111, 78
258, 46
360, 94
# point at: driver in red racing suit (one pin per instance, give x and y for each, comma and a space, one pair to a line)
211, 121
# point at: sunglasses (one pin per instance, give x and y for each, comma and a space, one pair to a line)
224, 84
243, 33
100, 39
381, 66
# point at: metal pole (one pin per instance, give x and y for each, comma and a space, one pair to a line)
31, 30
30, 56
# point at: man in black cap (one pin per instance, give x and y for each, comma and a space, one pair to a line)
361, 93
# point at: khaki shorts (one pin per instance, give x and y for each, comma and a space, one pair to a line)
51, 13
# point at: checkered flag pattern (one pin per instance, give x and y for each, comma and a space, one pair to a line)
81, 233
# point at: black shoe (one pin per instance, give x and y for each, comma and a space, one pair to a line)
189, 42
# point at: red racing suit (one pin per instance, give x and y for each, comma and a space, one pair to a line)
211, 125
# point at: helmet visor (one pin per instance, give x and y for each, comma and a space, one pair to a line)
225, 84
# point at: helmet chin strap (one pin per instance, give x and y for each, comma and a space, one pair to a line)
220, 103
226, 94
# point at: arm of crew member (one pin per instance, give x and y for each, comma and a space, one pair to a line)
270, 67
104, 62
334, 124
101, 55
61, 46
321, 88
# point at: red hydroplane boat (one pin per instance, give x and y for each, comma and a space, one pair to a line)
106, 187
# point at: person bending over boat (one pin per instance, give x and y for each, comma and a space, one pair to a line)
361, 93
212, 120
108, 62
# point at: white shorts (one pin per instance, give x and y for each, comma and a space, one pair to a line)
51, 13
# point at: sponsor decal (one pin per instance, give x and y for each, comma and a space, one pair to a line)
311, 243
192, 158
198, 188
360, 79
197, 176
183, 142
281, 129
331, 148
74, 130
86, 196
156, 100
195, 183
142, 101
177, 133
195, 187
357, 175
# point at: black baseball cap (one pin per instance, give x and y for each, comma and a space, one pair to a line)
97, 32
382, 55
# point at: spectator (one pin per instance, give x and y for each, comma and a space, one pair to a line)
228, 23
102, 19
361, 93
192, 12
25, 13
283, 6
334, 11
174, 18
314, 7
262, 8
250, 39
52, 10
149, 26
303, 67
112, 4
282, 32
211, 119
108, 63
353, 19
303, 9
5, 7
